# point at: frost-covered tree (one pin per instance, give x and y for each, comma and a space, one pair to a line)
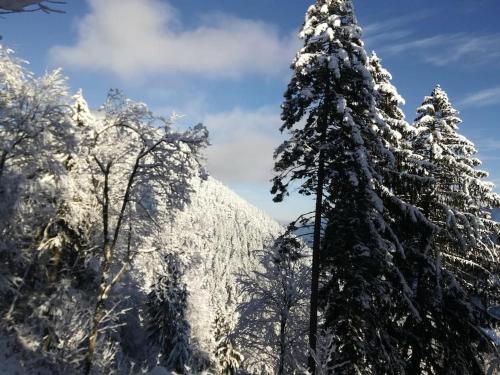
41, 244
228, 358
35, 141
458, 199
273, 317
136, 163
166, 310
81, 196
35, 121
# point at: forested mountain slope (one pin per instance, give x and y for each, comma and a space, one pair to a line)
216, 237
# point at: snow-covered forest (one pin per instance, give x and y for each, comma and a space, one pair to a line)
121, 254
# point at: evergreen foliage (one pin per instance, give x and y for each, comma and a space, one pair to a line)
382, 285
458, 199
228, 358
167, 325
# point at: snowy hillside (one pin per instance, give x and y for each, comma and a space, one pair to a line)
216, 237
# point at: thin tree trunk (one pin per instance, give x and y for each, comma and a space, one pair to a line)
108, 248
98, 312
313, 319
416, 349
3, 159
92, 341
283, 321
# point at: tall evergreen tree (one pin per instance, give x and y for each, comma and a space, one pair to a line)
375, 257
304, 157
389, 102
458, 200
396, 131
338, 147
405, 178
413, 178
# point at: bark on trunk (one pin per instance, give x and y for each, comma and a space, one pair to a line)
283, 321
313, 319
3, 159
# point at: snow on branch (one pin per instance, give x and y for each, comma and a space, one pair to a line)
21, 6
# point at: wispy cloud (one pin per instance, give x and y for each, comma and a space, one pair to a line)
392, 28
399, 35
137, 38
482, 98
443, 49
489, 145
393, 23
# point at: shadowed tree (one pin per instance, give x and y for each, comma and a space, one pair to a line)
379, 273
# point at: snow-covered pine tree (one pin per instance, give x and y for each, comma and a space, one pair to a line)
458, 200
228, 358
389, 102
166, 310
336, 147
303, 157
374, 253
273, 316
396, 131
405, 180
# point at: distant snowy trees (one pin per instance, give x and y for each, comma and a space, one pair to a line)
228, 358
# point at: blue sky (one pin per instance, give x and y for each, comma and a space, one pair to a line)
225, 63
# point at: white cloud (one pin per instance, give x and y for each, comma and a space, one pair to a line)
243, 143
137, 38
482, 98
